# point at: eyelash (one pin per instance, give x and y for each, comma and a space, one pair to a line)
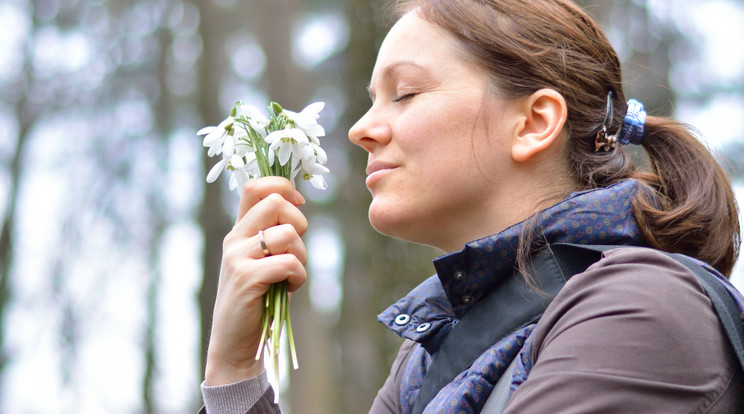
404, 97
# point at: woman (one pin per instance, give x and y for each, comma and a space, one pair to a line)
505, 137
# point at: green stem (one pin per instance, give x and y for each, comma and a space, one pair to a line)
290, 336
261, 149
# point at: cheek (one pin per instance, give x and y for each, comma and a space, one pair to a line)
437, 135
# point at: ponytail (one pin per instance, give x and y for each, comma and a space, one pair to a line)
693, 210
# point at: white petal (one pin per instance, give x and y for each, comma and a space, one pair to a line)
274, 136
315, 130
216, 170
214, 150
321, 155
318, 169
206, 130
305, 122
213, 138
289, 114
226, 123
228, 147
318, 182
242, 148
233, 182
237, 162
251, 164
284, 152
313, 109
301, 120
297, 134
308, 155
240, 132
271, 157
293, 176
252, 113
276, 145
240, 177
296, 159
261, 131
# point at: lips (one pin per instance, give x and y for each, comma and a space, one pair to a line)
376, 169
379, 166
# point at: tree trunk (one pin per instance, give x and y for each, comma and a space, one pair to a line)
213, 220
26, 116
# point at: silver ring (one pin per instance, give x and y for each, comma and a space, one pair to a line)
262, 242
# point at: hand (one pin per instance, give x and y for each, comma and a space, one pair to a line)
269, 204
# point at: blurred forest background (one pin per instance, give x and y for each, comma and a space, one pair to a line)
110, 238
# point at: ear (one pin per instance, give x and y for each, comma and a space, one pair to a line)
543, 115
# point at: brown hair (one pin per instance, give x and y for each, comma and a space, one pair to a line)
527, 45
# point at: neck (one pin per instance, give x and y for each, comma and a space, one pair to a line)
526, 197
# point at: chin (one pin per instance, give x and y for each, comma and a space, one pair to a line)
393, 221
387, 218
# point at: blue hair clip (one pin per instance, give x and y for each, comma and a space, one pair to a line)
631, 132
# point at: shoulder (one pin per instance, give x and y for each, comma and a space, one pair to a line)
631, 290
635, 328
631, 267
638, 281
387, 399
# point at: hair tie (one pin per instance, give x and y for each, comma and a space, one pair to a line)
632, 129
631, 132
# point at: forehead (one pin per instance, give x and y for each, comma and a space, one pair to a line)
413, 41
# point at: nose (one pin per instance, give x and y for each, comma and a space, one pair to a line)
371, 130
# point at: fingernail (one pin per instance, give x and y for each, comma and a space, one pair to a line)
299, 198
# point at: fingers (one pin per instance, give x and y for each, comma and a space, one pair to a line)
256, 190
272, 210
245, 279
243, 257
249, 278
288, 255
282, 268
279, 240
283, 239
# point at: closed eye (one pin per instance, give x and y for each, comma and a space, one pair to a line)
404, 97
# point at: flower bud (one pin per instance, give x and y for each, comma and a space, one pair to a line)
234, 110
276, 108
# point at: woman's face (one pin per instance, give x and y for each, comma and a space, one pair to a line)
437, 149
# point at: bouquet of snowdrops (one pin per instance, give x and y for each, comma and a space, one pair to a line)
252, 145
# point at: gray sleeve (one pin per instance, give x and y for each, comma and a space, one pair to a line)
387, 400
635, 333
253, 395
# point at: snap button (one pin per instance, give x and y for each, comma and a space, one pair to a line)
402, 319
467, 299
423, 327
459, 275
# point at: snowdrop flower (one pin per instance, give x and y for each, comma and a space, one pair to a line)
258, 121
307, 119
249, 171
215, 135
314, 174
287, 142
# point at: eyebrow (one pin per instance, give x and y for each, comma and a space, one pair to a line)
389, 69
